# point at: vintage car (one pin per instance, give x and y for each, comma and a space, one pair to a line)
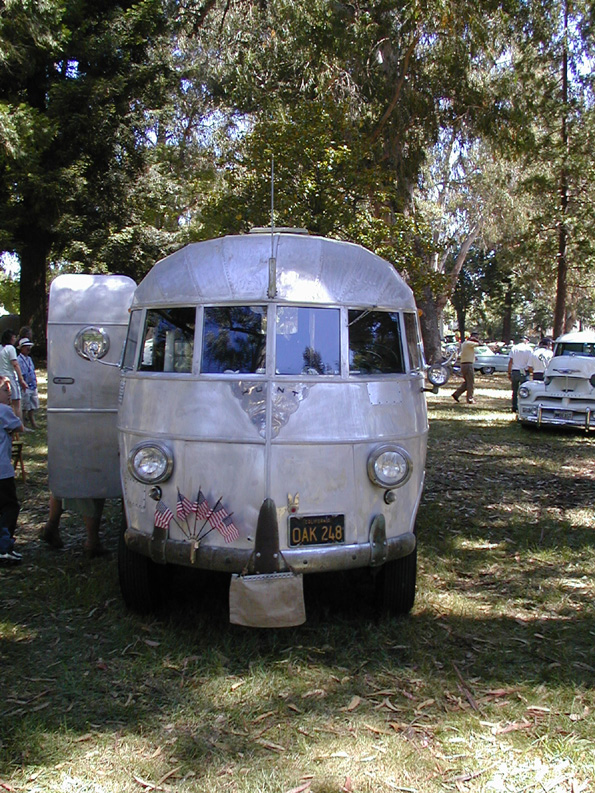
487, 361
567, 394
265, 419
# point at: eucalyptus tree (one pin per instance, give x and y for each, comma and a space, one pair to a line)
369, 89
76, 80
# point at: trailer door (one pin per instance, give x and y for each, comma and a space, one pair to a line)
87, 320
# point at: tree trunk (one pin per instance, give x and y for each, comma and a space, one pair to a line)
461, 322
507, 315
560, 309
34, 255
430, 326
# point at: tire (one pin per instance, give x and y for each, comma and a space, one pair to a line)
395, 585
140, 579
488, 369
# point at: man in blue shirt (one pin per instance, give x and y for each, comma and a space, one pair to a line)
9, 503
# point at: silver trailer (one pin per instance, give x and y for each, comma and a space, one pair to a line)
271, 420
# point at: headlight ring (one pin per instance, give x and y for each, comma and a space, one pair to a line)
524, 392
389, 466
150, 462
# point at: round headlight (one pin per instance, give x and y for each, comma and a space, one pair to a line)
389, 466
150, 462
524, 392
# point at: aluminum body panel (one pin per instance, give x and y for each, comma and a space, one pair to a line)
83, 395
319, 456
309, 270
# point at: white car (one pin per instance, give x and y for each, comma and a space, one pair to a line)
487, 361
567, 394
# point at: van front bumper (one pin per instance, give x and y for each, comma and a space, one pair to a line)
314, 559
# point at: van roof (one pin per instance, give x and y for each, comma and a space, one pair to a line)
310, 269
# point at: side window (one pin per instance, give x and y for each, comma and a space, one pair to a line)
414, 347
308, 340
168, 340
234, 339
374, 343
131, 341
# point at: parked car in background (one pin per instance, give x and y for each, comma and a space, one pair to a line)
487, 361
567, 394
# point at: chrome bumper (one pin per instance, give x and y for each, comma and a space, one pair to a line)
314, 559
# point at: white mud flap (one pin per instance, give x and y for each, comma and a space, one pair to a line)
86, 312
268, 600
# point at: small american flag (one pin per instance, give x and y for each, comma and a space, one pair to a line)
220, 520
184, 506
201, 506
163, 515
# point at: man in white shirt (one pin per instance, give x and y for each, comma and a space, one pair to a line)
518, 365
539, 359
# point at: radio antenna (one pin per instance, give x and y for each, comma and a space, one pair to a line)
272, 290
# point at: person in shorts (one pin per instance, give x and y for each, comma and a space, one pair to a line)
9, 503
29, 397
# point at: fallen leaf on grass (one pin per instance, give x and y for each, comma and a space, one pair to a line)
425, 704
347, 785
355, 702
263, 716
375, 730
273, 747
515, 725
321, 693
151, 643
301, 788
86, 737
6, 786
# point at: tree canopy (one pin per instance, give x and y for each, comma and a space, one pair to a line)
438, 134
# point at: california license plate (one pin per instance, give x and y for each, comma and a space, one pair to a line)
563, 415
316, 529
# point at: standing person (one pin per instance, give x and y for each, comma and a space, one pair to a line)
539, 359
518, 363
467, 369
90, 508
9, 503
29, 397
9, 367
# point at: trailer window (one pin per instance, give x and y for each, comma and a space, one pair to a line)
234, 339
308, 341
374, 343
168, 340
414, 348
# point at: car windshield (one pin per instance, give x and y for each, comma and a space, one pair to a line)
585, 349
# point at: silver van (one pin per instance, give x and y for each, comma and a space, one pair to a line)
261, 414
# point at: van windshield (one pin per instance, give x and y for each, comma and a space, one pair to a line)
168, 341
308, 340
375, 343
234, 340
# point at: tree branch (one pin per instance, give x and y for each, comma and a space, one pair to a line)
393, 103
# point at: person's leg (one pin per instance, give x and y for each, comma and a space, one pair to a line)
16, 406
9, 505
92, 519
51, 530
470, 383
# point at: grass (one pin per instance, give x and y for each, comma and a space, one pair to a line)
487, 686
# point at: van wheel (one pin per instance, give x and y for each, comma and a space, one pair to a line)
395, 585
139, 579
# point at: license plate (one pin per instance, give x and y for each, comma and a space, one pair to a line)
563, 415
316, 529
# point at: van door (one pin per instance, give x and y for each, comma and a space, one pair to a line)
87, 321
